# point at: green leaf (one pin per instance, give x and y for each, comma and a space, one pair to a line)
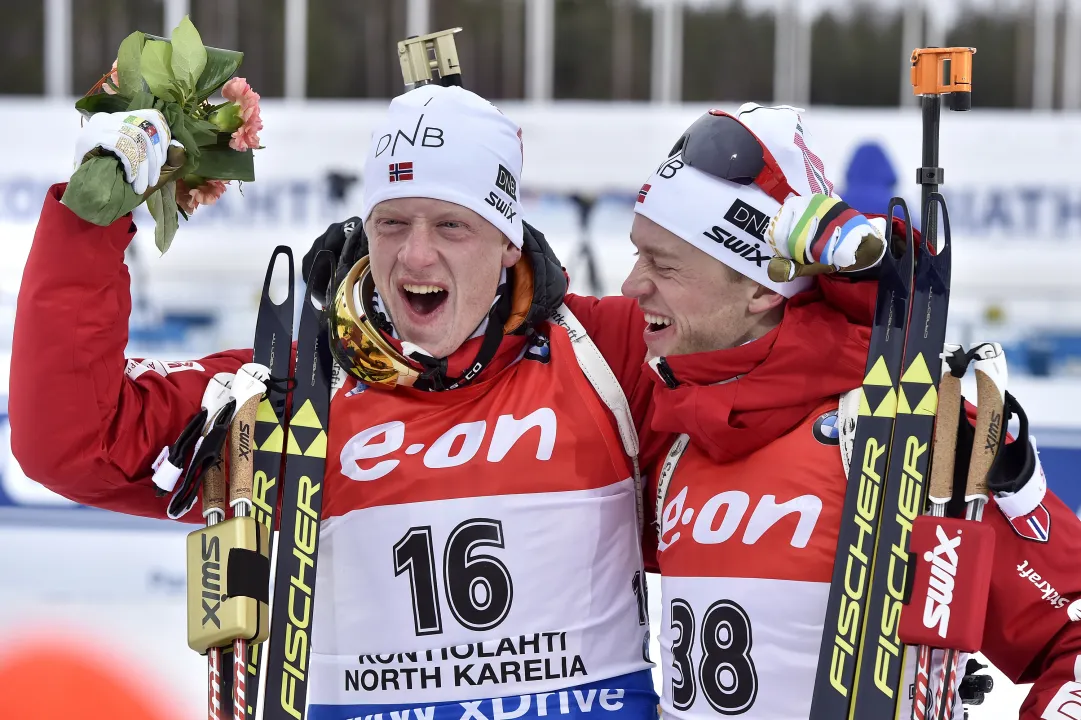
98, 193
220, 66
101, 102
205, 133
163, 208
141, 100
129, 63
224, 163
156, 67
180, 125
189, 55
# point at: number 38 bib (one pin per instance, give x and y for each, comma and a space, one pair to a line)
746, 552
478, 544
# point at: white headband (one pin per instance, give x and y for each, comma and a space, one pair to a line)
447, 143
728, 221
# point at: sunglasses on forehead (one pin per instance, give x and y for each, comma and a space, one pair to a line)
720, 145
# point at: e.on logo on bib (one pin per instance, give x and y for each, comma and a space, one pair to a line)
722, 515
456, 446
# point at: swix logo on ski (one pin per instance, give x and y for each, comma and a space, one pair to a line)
457, 446
943, 560
722, 515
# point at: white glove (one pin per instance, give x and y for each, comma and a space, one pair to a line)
139, 139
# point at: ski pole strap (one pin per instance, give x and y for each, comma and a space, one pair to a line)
248, 574
169, 465
607, 387
205, 456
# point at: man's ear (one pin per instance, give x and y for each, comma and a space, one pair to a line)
511, 253
764, 300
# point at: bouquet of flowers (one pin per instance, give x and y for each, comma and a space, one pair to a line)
176, 77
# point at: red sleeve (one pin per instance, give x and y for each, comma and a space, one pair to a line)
1029, 634
84, 421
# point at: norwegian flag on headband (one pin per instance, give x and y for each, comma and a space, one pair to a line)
643, 192
400, 172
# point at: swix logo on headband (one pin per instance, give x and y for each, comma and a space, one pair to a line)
943, 559
748, 251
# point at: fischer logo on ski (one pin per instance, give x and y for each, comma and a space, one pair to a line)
943, 560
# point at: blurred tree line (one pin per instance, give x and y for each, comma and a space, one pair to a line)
602, 48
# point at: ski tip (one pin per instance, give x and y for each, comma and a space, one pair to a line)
322, 297
272, 268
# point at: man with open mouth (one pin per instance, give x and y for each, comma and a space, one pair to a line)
480, 538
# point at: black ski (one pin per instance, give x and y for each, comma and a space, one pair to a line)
846, 609
302, 503
878, 692
272, 348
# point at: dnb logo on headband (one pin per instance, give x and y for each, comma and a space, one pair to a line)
670, 167
504, 180
826, 429
750, 219
431, 137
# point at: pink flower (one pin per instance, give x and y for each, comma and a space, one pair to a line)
184, 200
209, 192
114, 79
246, 136
189, 198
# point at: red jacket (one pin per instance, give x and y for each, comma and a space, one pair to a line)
87, 430
750, 411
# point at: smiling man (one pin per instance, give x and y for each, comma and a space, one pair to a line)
749, 376
479, 550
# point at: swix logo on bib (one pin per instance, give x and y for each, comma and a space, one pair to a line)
480, 554
746, 552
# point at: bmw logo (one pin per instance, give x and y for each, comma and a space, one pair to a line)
826, 429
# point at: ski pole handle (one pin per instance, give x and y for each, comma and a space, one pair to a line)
214, 489
241, 445
991, 379
247, 390
944, 452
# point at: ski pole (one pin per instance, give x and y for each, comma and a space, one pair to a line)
991, 376
944, 456
247, 391
214, 512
